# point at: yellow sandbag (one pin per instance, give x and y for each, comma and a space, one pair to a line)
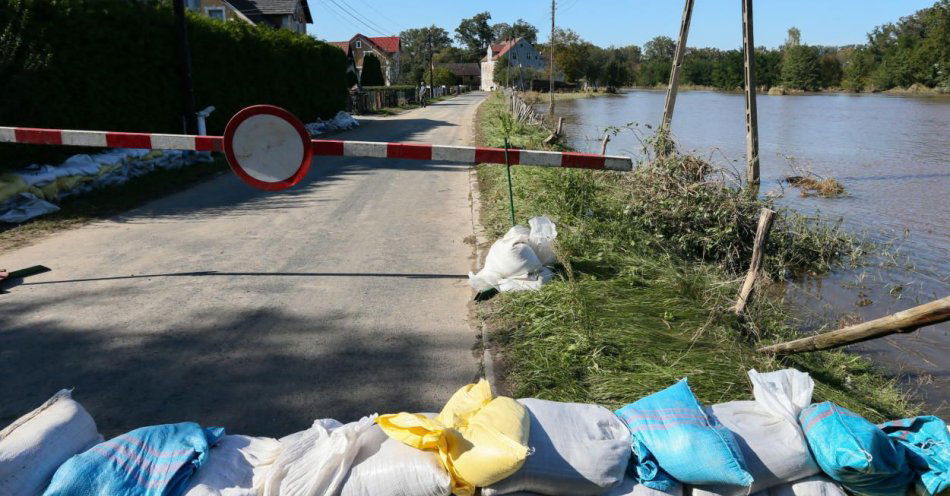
480, 440
10, 186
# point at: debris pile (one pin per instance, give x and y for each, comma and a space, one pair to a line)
340, 122
779, 444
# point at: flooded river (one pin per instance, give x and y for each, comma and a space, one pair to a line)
891, 153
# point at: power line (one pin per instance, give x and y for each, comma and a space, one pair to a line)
341, 18
366, 22
384, 16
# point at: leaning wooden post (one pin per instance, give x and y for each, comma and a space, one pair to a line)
758, 247
908, 320
603, 143
751, 119
677, 65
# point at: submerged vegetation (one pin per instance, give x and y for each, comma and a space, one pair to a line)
652, 260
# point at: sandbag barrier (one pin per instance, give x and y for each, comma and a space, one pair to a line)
779, 444
330, 148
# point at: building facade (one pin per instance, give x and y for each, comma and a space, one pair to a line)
293, 15
519, 53
387, 49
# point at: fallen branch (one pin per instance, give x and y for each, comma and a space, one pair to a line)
765, 223
908, 320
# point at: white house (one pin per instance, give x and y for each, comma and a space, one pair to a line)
519, 53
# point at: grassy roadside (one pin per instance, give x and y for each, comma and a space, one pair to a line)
107, 202
532, 97
651, 261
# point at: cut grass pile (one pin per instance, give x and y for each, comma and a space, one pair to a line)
643, 295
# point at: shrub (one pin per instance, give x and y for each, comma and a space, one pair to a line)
112, 65
372, 73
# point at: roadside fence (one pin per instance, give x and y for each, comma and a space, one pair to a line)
376, 98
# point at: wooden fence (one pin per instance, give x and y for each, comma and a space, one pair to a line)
374, 99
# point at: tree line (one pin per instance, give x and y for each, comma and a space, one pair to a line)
915, 50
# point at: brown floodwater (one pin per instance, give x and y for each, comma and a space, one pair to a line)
891, 153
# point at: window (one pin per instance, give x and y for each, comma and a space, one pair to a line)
215, 12
359, 44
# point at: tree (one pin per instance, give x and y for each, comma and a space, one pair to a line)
659, 48
595, 64
571, 54
372, 73
800, 68
616, 74
520, 29
449, 55
794, 37
475, 34
442, 77
414, 60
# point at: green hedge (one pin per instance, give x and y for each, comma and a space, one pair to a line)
112, 65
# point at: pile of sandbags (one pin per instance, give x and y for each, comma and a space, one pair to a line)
34, 190
340, 122
666, 444
520, 260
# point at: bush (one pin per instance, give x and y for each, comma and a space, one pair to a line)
112, 65
372, 73
442, 77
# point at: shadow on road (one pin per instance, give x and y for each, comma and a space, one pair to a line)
262, 372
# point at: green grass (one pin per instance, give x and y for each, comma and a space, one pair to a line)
110, 201
632, 311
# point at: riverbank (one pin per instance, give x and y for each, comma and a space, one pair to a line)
914, 90
642, 297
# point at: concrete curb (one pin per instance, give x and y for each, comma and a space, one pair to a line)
481, 239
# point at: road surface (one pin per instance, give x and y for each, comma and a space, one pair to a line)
259, 312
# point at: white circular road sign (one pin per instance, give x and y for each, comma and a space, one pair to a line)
267, 147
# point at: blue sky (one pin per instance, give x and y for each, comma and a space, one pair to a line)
716, 23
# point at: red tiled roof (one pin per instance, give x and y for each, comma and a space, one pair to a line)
388, 44
499, 49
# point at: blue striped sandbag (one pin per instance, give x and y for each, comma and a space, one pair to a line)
674, 440
150, 461
855, 452
928, 450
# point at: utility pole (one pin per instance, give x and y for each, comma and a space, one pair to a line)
751, 119
431, 70
677, 65
189, 115
508, 64
551, 69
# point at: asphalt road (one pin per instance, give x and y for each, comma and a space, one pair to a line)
255, 311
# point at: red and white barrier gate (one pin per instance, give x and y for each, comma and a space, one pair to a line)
268, 148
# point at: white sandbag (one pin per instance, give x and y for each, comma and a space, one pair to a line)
387, 467
541, 239
510, 257
767, 430
576, 450
527, 282
785, 392
314, 462
630, 487
235, 465
36, 444
816, 485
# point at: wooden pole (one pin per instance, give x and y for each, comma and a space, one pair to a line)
765, 223
677, 65
751, 118
603, 143
189, 115
551, 69
908, 320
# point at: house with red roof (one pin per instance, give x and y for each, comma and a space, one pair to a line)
386, 48
518, 52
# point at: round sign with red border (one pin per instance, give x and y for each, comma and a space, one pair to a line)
267, 147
